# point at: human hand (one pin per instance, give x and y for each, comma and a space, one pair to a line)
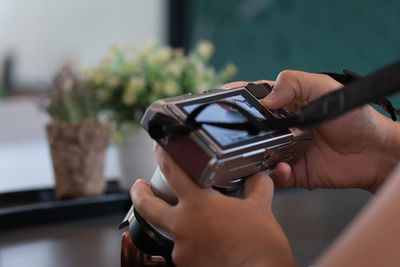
211, 229
351, 151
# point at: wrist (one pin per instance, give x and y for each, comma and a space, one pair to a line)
389, 154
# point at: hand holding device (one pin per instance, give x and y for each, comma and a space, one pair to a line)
338, 148
360, 144
212, 229
189, 129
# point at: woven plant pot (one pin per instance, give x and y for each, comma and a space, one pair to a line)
77, 152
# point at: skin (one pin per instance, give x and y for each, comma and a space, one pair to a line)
357, 150
373, 237
330, 159
199, 231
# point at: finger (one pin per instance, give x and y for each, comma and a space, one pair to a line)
286, 176
243, 83
233, 84
281, 175
259, 188
298, 86
151, 208
271, 83
177, 178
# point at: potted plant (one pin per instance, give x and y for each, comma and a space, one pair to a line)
76, 137
128, 80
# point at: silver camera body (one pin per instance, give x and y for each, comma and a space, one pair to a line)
216, 157
212, 156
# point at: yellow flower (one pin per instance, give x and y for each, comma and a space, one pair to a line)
171, 87
179, 52
113, 81
86, 69
157, 88
228, 72
114, 48
202, 86
134, 85
173, 69
105, 61
103, 94
129, 96
117, 136
98, 78
152, 59
205, 49
200, 67
164, 54
129, 66
231, 69
149, 46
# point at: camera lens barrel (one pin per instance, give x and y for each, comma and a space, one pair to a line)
148, 241
161, 188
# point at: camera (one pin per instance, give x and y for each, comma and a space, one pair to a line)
213, 156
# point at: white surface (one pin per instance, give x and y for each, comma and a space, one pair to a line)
24, 153
136, 158
27, 165
42, 34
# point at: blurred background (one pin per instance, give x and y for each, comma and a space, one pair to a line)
261, 37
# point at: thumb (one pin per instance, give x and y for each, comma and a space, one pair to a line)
259, 189
297, 86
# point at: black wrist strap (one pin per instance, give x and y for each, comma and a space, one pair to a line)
348, 76
356, 92
370, 88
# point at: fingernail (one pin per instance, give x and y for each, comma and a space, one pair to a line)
270, 98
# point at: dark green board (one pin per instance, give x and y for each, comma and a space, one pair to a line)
263, 37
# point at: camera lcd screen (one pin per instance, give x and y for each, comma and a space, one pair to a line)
219, 112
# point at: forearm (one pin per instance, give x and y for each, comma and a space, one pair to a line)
274, 261
373, 238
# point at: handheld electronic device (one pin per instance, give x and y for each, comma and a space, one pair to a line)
213, 156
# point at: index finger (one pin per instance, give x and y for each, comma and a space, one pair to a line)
177, 178
259, 189
151, 208
298, 86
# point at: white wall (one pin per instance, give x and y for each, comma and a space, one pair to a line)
41, 34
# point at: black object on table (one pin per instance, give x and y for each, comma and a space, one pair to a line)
33, 207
